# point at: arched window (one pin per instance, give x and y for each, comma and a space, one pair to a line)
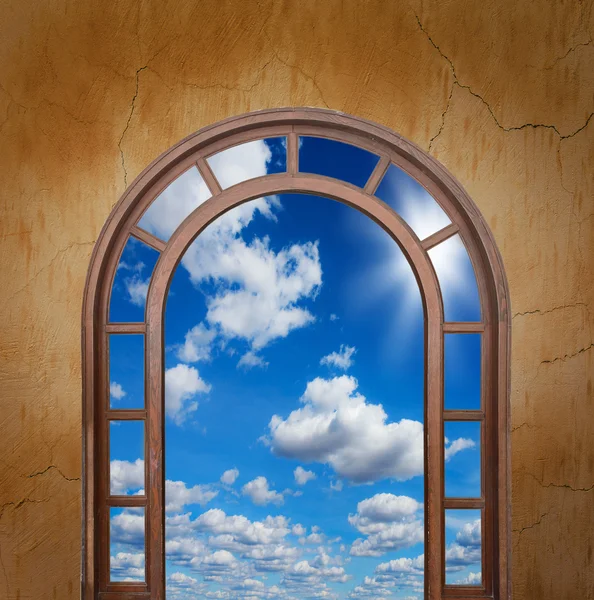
184, 215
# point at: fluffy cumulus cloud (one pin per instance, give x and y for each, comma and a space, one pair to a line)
466, 550
471, 579
182, 384
338, 426
457, 446
127, 566
229, 476
302, 476
126, 476
390, 523
399, 575
259, 492
116, 391
343, 359
178, 495
197, 344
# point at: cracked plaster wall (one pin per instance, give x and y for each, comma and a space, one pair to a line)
500, 91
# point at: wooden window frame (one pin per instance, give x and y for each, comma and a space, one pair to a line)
494, 327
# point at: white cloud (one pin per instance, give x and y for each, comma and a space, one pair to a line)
182, 384
333, 317
472, 579
341, 359
240, 163
126, 476
260, 493
250, 360
457, 446
402, 565
197, 344
177, 495
241, 530
466, 550
137, 289
263, 305
336, 486
229, 476
127, 527
127, 566
298, 530
174, 204
116, 391
383, 508
390, 523
339, 427
302, 476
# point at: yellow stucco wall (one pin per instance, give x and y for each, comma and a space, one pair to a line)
500, 91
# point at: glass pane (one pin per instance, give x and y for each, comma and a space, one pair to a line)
336, 159
126, 544
174, 204
249, 160
412, 202
294, 402
130, 285
463, 547
457, 280
126, 371
462, 371
126, 457
462, 459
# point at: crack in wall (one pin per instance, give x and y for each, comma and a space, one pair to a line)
488, 106
559, 485
38, 473
17, 505
537, 311
132, 107
566, 356
535, 524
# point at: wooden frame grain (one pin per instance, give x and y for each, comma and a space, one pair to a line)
466, 221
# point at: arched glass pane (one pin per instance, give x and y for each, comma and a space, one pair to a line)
412, 202
131, 281
463, 553
462, 459
126, 371
249, 160
336, 159
174, 204
462, 371
294, 402
457, 280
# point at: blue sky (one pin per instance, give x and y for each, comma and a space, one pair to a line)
294, 391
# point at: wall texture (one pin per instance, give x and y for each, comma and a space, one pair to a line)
500, 91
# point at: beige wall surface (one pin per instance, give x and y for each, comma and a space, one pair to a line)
500, 91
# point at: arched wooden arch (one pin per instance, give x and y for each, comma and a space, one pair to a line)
494, 326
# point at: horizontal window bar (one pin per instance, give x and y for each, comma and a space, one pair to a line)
126, 415
463, 503
463, 415
454, 327
125, 328
126, 501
